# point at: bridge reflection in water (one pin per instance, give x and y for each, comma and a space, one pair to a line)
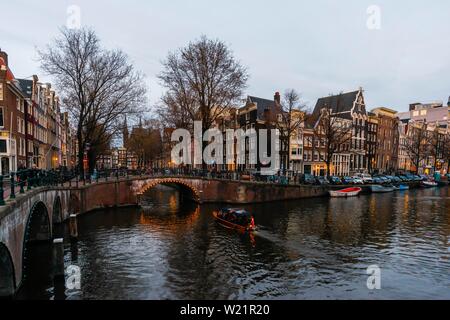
316, 248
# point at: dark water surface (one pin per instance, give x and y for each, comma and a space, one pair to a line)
309, 249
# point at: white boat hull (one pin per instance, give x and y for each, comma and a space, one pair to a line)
429, 184
340, 194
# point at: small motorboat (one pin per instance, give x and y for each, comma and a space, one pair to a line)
429, 184
402, 187
381, 189
238, 219
349, 192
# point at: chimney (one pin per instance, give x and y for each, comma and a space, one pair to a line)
277, 97
4, 55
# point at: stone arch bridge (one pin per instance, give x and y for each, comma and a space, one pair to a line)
34, 216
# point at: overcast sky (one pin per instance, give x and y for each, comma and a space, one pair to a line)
317, 47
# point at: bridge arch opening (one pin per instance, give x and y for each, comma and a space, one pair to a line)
37, 250
186, 191
57, 218
38, 224
57, 211
7, 277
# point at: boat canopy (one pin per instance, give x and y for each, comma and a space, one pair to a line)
237, 212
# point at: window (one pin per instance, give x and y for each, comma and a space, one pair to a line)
280, 117
3, 146
1, 117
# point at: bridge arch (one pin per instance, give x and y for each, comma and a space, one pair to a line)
7, 276
183, 185
38, 224
57, 217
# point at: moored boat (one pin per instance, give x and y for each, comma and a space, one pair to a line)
402, 187
238, 219
349, 192
429, 184
381, 189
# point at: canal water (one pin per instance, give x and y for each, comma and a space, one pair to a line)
308, 249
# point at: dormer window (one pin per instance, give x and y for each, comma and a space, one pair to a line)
280, 117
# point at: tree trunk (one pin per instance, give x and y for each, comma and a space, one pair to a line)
328, 163
417, 165
92, 159
80, 154
288, 154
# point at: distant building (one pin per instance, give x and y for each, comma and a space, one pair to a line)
434, 112
386, 155
348, 106
436, 117
372, 142
257, 114
12, 120
296, 143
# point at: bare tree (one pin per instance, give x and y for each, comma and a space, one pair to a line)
203, 80
417, 146
173, 113
290, 116
436, 145
446, 150
146, 142
439, 141
98, 86
332, 132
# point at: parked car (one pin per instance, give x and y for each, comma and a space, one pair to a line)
410, 177
307, 179
357, 180
384, 178
378, 180
403, 178
335, 180
347, 180
424, 177
396, 179
366, 178
322, 181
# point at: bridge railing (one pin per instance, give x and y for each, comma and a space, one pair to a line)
27, 179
